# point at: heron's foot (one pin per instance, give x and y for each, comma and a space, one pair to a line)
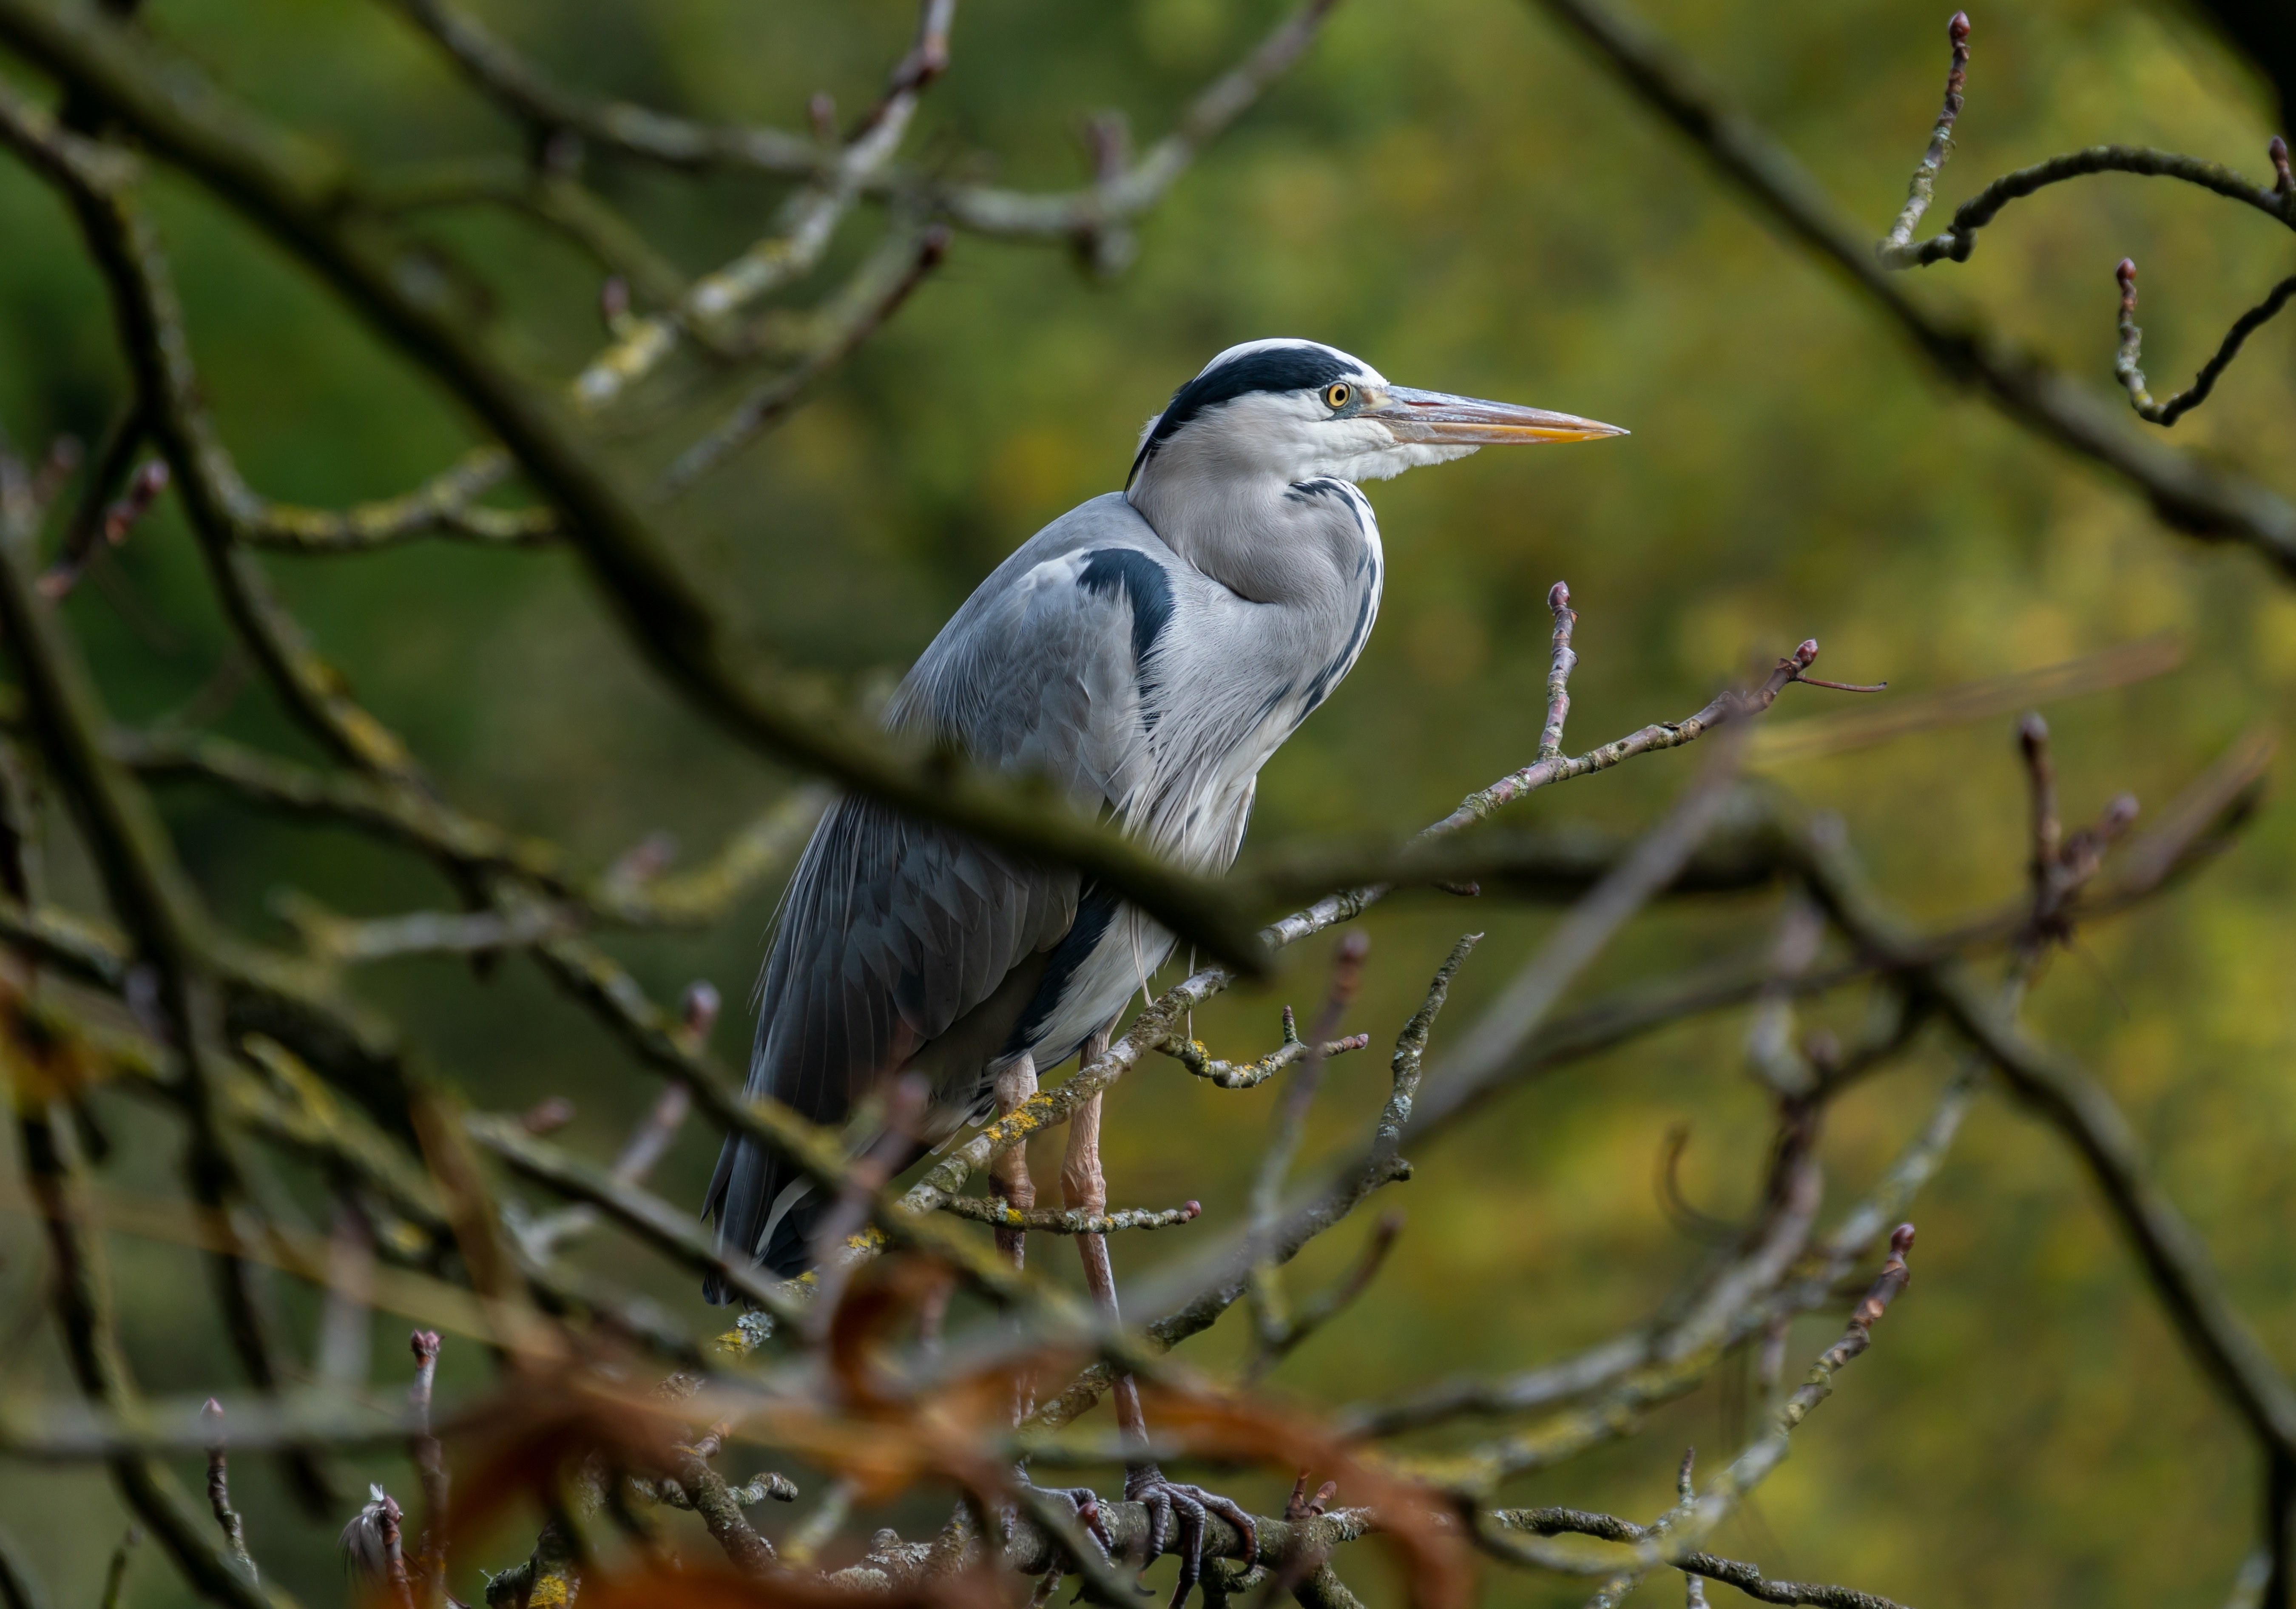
1090, 1517
1174, 1507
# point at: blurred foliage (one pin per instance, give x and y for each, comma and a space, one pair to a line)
1452, 190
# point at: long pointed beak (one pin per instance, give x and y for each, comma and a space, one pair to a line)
1412, 415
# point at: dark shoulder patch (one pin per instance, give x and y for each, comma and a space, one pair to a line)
1328, 676
1095, 910
1270, 369
1109, 570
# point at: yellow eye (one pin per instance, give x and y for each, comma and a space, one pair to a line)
1336, 395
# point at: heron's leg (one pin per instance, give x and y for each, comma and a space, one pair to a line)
1084, 1187
1009, 1182
1008, 1175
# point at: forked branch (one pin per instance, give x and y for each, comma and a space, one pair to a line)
2127, 369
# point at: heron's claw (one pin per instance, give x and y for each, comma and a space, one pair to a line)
1167, 1501
1086, 1502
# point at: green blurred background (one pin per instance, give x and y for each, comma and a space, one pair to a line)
1451, 189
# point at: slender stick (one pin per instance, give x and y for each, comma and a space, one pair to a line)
2126, 366
1558, 676
1921, 189
2192, 496
431, 1469
219, 1491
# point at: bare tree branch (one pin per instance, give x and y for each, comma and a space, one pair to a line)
2189, 495
285, 191
2131, 376
514, 84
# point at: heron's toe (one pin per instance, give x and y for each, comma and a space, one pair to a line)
1168, 1502
1089, 1514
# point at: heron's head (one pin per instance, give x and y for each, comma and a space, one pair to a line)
1297, 409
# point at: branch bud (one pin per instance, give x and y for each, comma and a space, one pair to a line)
143, 490
697, 1015
548, 1116
1108, 139
2032, 734
646, 859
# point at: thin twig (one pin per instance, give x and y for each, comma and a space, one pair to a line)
430, 1468
1558, 674
875, 294
1697, 1519
219, 1491
2126, 366
1974, 214
227, 147
20, 1588
710, 1497
1158, 1023
1270, 1313
1581, 935
807, 222
1746, 1577
1050, 1220
446, 505
1192, 1055
1922, 187
669, 1229
510, 80
81, 1292
2174, 1258
1118, 197
115, 1575
2191, 495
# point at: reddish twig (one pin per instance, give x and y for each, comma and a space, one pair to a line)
431, 1469
144, 490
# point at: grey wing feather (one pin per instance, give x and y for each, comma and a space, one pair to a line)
893, 929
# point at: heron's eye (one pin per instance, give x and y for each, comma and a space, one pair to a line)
1336, 395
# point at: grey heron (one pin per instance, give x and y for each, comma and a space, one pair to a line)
1148, 651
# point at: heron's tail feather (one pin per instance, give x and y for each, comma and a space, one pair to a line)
763, 1204
764, 1211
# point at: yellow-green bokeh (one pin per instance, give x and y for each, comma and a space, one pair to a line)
1453, 191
